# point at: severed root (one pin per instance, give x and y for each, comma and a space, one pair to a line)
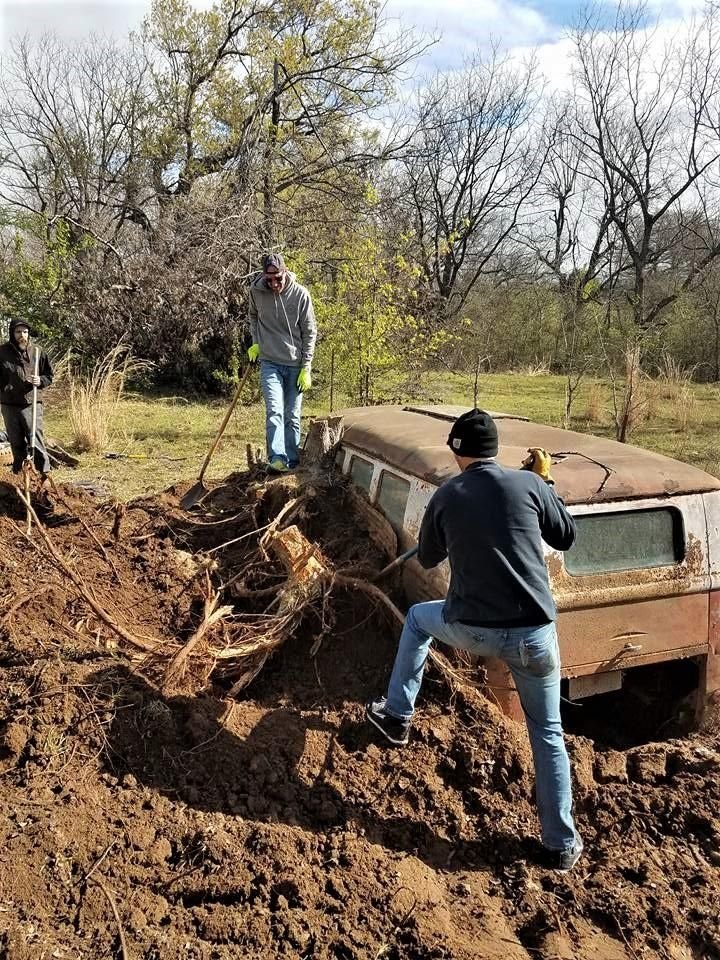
213, 614
120, 510
353, 583
257, 638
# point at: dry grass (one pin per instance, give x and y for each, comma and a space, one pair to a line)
94, 398
595, 403
540, 368
685, 407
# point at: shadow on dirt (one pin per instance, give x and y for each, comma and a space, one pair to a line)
282, 764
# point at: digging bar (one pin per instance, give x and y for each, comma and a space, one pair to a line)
30, 458
397, 562
199, 490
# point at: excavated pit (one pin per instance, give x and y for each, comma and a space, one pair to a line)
145, 814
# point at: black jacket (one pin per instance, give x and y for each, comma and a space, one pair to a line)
490, 523
16, 369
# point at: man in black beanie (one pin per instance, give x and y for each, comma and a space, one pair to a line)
489, 522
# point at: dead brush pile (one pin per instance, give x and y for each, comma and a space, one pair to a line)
195, 597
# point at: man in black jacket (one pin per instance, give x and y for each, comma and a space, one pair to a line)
17, 381
490, 523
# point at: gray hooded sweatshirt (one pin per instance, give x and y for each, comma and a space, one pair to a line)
283, 324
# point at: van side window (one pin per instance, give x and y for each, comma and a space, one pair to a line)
392, 498
626, 540
361, 472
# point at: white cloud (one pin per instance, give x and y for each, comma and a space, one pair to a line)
467, 26
69, 21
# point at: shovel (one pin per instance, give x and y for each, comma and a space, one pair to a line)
397, 562
199, 490
29, 464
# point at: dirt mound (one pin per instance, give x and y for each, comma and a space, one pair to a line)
145, 821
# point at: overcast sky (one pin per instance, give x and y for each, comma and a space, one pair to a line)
465, 24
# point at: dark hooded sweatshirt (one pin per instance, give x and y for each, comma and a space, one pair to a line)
16, 369
490, 522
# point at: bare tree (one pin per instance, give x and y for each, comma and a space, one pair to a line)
570, 234
648, 133
648, 130
71, 129
471, 168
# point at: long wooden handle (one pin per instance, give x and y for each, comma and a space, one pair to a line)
398, 561
224, 423
34, 401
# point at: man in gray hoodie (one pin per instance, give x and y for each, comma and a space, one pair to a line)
283, 331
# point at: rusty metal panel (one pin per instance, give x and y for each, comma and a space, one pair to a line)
709, 692
420, 494
586, 468
711, 503
622, 586
620, 635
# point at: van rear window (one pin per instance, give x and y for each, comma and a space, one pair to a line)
626, 540
392, 498
361, 472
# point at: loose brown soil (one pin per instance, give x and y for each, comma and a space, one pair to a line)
158, 825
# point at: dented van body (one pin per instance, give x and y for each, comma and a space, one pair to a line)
641, 585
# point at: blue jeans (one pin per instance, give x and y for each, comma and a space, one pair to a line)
283, 403
533, 656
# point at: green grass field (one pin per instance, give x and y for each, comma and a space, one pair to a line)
165, 439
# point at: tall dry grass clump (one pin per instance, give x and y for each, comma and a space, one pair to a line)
94, 397
595, 403
676, 385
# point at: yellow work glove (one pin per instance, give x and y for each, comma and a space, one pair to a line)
253, 352
539, 461
304, 380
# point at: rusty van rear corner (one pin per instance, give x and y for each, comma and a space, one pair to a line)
638, 595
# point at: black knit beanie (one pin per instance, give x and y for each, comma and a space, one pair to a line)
474, 434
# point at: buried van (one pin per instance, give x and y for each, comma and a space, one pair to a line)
640, 588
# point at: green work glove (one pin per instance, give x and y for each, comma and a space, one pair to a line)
304, 380
539, 461
253, 352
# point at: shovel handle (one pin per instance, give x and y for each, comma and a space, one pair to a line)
221, 429
33, 429
398, 561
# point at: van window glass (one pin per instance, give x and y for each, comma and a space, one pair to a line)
361, 472
392, 498
627, 540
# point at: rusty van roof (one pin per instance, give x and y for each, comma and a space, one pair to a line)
585, 468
